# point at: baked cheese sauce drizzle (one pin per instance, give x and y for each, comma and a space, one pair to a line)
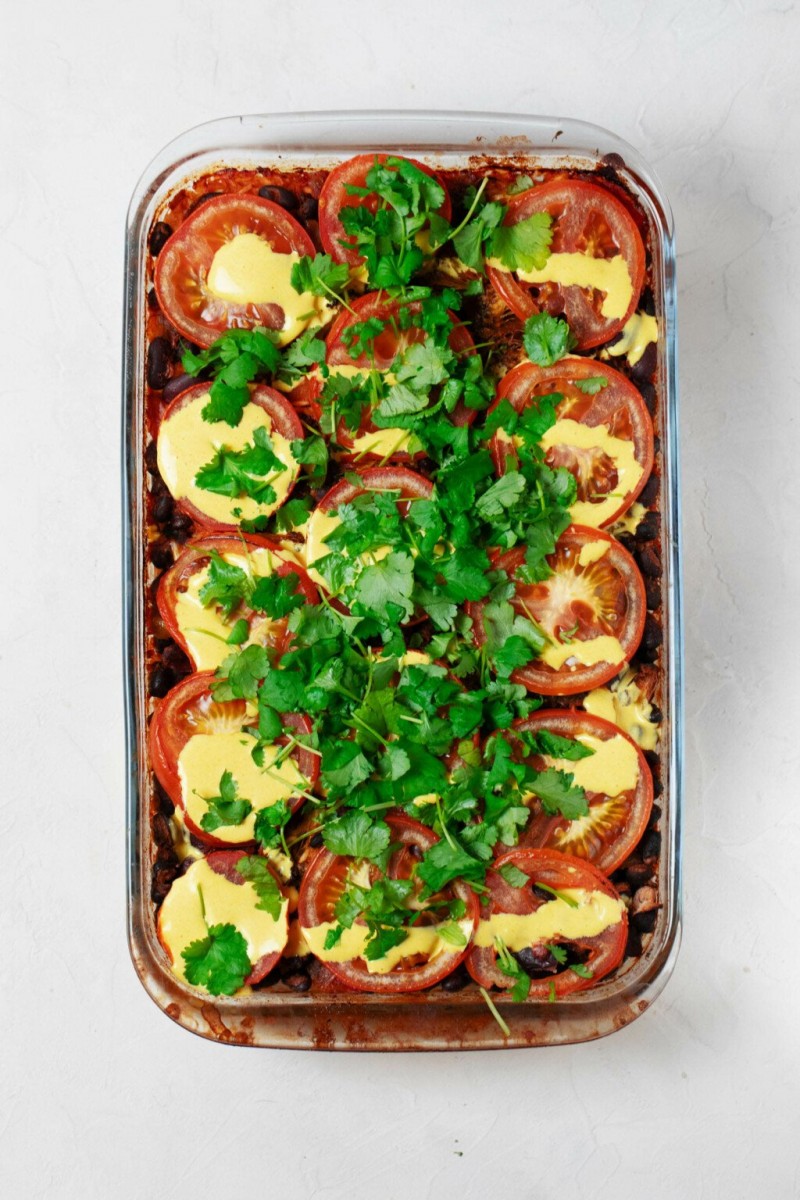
186, 443
596, 438
608, 275
589, 914
181, 919
637, 334
204, 628
421, 939
625, 705
246, 270
206, 756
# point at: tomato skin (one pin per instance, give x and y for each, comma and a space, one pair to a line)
183, 264
386, 347
325, 880
224, 863
574, 205
191, 708
619, 406
605, 951
282, 416
333, 197
193, 558
610, 846
622, 586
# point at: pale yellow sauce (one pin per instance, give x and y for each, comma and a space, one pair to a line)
613, 768
186, 443
637, 334
206, 756
205, 628
619, 450
595, 912
246, 270
592, 552
181, 922
181, 841
630, 521
624, 705
602, 649
608, 275
421, 939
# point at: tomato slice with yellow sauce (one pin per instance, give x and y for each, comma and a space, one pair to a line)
602, 436
565, 925
615, 777
195, 738
425, 957
596, 268
591, 608
228, 266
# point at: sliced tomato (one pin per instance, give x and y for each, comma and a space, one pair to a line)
182, 267
410, 484
577, 603
595, 955
224, 863
615, 822
386, 347
587, 219
282, 419
326, 880
334, 197
617, 407
196, 556
191, 708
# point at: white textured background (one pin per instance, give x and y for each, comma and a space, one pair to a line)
100, 1095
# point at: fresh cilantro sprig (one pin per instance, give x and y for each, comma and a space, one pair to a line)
245, 472
226, 809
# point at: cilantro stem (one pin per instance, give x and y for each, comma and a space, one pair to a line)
472, 207
492, 1009
558, 895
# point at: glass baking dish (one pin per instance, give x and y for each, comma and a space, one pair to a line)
435, 1020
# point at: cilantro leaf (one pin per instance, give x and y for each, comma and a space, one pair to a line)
357, 835
525, 245
445, 862
385, 586
513, 876
256, 871
244, 472
218, 962
240, 631
592, 385
344, 765
501, 495
226, 585
559, 793
320, 275
555, 746
227, 808
546, 339
276, 595
270, 823
239, 675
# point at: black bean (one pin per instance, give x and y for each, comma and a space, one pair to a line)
164, 874
456, 981
161, 833
173, 657
638, 873
152, 299
658, 786
158, 356
163, 509
173, 387
655, 811
653, 635
647, 529
633, 946
656, 714
645, 922
315, 840
613, 161
161, 555
542, 893
642, 371
279, 195
203, 200
647, 303
295, 877
164, 802
536, 961
307, 208
159, 235
151, 458
650, 846
649, 491
652, 590
649, 561
179, 528
161, 681
300, 981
